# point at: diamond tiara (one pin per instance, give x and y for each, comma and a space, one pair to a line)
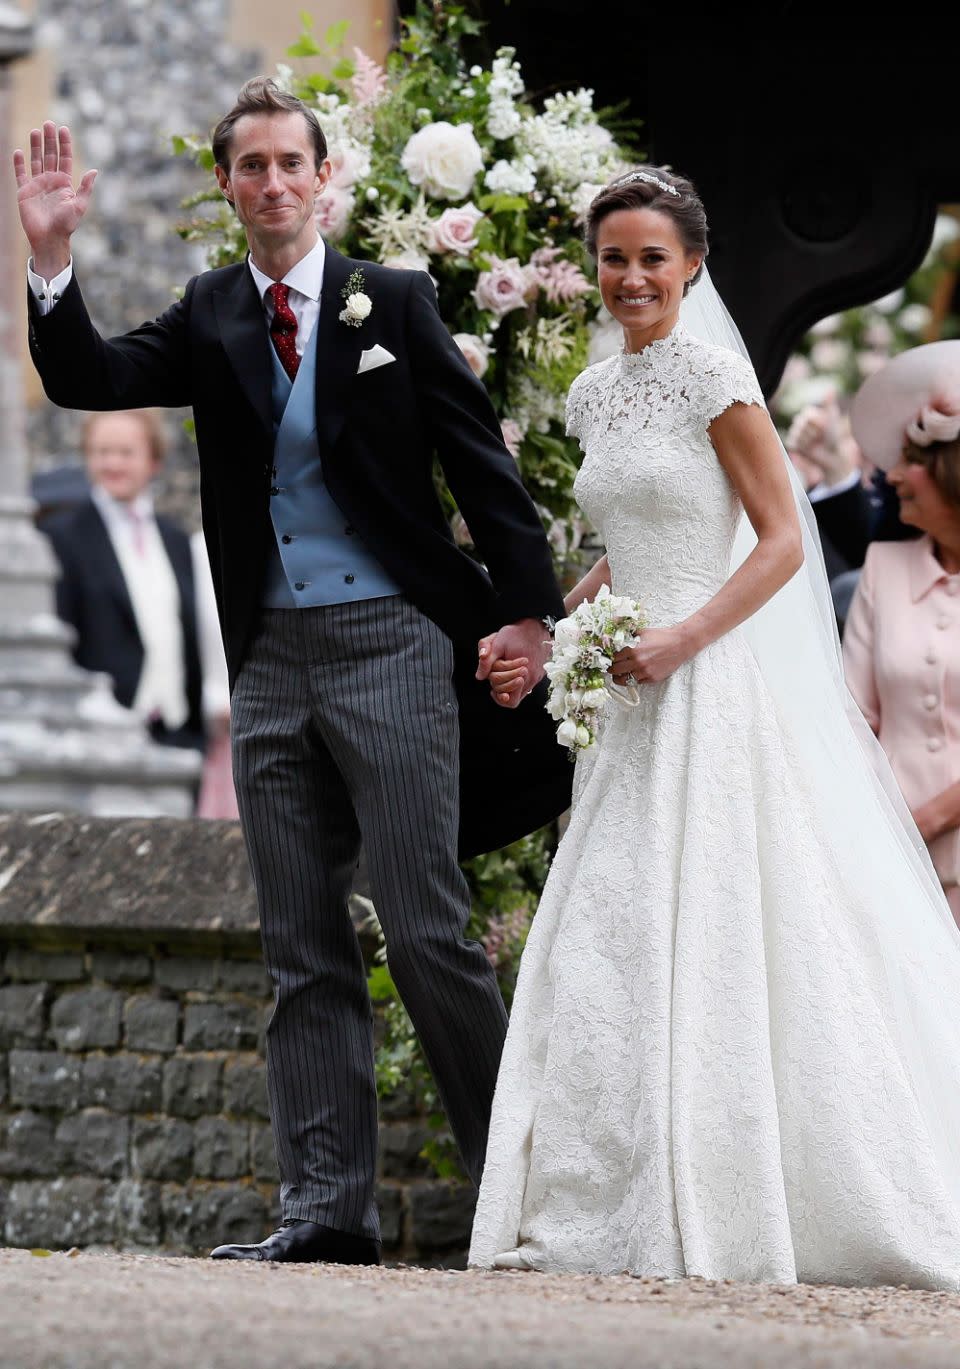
646, 176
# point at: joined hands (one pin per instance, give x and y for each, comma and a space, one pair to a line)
513, 660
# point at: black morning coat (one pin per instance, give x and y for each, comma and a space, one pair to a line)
379, 433
92, 596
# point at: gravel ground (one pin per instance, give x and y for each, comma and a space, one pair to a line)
108, 1311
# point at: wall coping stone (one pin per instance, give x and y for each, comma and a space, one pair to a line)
65, 876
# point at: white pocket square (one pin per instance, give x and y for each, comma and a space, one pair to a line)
374, 357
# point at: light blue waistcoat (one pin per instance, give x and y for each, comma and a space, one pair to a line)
323, 560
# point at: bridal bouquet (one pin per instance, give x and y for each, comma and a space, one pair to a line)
584, 647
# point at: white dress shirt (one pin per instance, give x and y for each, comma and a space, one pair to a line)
305, 281
155, 596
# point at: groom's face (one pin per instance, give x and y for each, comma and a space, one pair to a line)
273, 180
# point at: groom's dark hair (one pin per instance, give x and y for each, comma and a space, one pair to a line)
262, 95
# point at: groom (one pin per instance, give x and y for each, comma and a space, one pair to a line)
322, 388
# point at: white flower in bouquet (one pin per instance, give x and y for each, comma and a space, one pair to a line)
349, 162
512, 178
505, 84
444, 159
407, 261
582, 198
395, 231
568, 146
475, 351
585, 644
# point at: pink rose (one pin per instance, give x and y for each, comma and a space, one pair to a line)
454, 231
476, 352
333, 210
512, 436
503, 288
349, 163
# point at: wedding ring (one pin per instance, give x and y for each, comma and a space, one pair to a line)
630, 679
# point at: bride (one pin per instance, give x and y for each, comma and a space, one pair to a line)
734, 1050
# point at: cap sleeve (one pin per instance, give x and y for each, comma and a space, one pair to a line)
728, 378
576, 409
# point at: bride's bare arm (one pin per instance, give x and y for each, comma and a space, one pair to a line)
589, 586
749, 450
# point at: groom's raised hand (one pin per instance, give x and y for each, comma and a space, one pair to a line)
50, 207
513, 660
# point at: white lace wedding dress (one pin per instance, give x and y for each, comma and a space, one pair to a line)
703, 1073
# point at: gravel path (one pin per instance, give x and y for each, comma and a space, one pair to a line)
107, 1311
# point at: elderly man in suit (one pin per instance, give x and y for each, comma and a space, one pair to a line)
345, 605
126, 582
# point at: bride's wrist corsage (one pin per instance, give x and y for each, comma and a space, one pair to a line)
584, 647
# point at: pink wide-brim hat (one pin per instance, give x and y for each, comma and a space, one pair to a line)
919, 386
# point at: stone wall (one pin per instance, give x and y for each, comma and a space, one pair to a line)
133, 1005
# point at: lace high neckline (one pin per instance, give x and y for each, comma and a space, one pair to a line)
660, 347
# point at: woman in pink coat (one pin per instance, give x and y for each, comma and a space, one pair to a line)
901, 646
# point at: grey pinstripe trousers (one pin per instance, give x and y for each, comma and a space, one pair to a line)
345, 728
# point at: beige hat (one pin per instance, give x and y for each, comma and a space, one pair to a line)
915, 396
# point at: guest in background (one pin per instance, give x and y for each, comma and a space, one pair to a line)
127, 582
218, 798
829, 462
901, 648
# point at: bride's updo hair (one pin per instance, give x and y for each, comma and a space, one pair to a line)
653, 187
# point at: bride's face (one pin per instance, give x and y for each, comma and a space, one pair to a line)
642, 267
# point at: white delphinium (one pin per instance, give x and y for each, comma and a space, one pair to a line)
582, 198
512, 178
505, 84
568, 145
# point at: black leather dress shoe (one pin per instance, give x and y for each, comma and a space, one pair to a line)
303, 1243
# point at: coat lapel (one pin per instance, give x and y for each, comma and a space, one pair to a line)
246, 342
338, 348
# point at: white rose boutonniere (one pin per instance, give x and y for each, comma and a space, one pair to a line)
359, 305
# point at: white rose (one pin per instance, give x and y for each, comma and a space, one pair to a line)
443, 159
566, 633
567, 732
359, 305
477, 355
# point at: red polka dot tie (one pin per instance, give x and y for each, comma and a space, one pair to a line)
283, 329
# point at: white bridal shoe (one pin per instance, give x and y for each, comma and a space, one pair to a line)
514, 1259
